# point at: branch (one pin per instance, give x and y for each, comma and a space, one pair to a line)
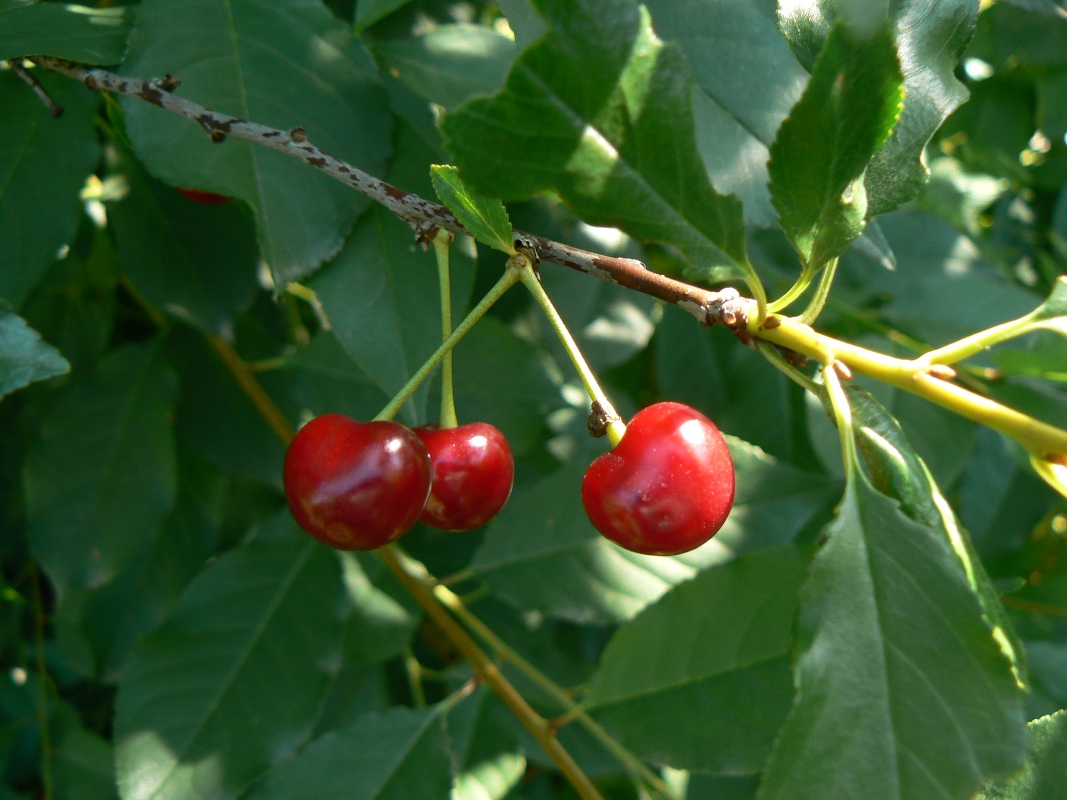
709, 307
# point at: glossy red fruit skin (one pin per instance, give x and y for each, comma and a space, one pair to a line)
356, 485
667, 487
205, 198
473, 472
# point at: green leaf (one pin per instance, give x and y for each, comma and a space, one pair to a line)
1045, 773
400, 754
101, 479
74, 32
717, 702
485, 218
44, 162
108, 621
501, 379
449, 64
290, 63
822, 151
487, 753
1052, 313
542, 553
196, 262
746, 80
215, 418
83, 766
930, 39
326, 379
384, 617
370, 11
600, 110
232, 683
24, 357
897, 471
902, 691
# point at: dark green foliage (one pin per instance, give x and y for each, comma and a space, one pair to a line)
859, 628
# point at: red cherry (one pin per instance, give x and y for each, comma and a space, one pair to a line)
472, 475
355, 485
205, 198
667, 487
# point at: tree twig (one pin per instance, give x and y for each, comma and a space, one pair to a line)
15, 65
724, 307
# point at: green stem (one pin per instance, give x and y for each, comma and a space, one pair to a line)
843, 415
449, 600
977, 342
770, 352
913, 376
822, 291
414, 672
795, 291
419, 583
615, 427
448, 403
507, 280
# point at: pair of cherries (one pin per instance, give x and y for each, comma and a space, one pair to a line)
665, 489
360, 485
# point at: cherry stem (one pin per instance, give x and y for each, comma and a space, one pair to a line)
615, 427
507, 280
448, 402
419, 583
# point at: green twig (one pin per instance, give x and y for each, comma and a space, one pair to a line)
822, 291
915, 376
507, 280
448, 403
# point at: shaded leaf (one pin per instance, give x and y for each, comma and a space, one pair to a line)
101, 479
24, 357
286, 64
930, 38
74, 32
194, 261
399, 754
706, 691
450, 63
501, 379
600, 110
485, 218
487, 753
746, 80
542, 553
83, 766
44, 162
384, 617
370, 11
823, 148
232, 683
1045, 772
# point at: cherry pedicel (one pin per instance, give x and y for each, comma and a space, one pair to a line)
667, 487
473, 472
356, 485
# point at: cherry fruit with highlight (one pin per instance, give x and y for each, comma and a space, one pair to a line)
473, 472
667, 487
356, 485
